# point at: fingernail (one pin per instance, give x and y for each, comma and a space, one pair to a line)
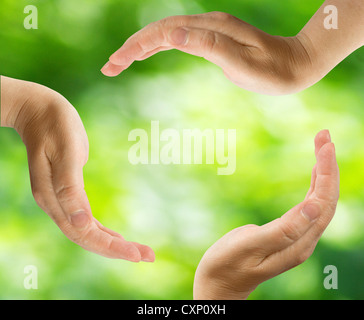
80, 220
105, 67
148, 259
311, 211
328, 135
179, 36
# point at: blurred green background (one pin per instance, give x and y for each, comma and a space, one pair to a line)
178, 210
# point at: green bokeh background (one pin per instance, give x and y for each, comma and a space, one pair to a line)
178, 210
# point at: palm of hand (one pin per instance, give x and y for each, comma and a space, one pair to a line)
57, 148
247, 256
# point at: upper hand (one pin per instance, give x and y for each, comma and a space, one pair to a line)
249, 57
57, 148
247, 256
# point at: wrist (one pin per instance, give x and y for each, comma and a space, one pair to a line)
6, 102
289, 64
22, 101
209, 287
307, 70
299, 64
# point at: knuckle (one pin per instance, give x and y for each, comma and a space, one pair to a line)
333, 204
290, 232
245, 228
76, 236
302, 257
260, 273
65, 192
222, 16
39, 198
171, 21
163, 22
209, 41
140, 46
248, 230
161, 28
245, 231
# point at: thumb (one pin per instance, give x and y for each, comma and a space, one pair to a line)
213, 46
68, 185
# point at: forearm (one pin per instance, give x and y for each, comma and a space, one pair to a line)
327, 45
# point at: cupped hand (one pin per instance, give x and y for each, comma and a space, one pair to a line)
247, 256
57, 148
249, 57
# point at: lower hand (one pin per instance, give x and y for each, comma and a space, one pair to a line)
247, 256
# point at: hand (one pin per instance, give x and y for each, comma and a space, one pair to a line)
57, 148
249, 57
247, 256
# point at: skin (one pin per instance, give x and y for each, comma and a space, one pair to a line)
57, 149
251, 58
232, 268
247, 256
57, 144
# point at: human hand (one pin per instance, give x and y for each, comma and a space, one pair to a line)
249, 57
57, 148
247, 256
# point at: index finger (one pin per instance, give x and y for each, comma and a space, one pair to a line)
306, 236
211, 36
82, 228
314, 213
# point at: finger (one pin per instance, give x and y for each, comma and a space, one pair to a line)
285, 231
304, 244
321, 139
93, 239
98, 241
146, 253
291, 227
109, 231
69, 189
111, 70
165, 35
313, 181
156, 34
67, 174
328, 178
153, 52
214, 47
42, 186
